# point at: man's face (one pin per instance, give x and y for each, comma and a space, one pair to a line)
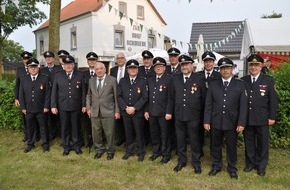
159, 69
68, 67
226, 72
255, 68
147, 62
120, 60
173, 59
208, 64
33, 70
91, 63
25, 60
132, 71
49, 60
268, 63
186, 68
100, 70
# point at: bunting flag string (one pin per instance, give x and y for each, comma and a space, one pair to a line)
209, 46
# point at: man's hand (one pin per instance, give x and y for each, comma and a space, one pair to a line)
54, 111
168, 116
206, 126
84, 109
130, 110
89, 113
271, 122
146, 115
24, 112
117, 116
16, 102
45, 110
240, 128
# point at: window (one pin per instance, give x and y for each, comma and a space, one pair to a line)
123, 8
73, 34
140, 12
119, 36
41, 46
151, 41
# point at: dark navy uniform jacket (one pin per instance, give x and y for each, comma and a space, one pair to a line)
34, 96
263, 100
135, 94
68, 95
188, 97
225, 110
214, 76
87, 76
51, 74
160, 102
20, 72
169, 70
142, 72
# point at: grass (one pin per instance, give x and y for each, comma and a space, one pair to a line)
38, 170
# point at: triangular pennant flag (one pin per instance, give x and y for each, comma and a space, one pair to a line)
189, 1
227, 39
220, 44
189, 46
224, 41
181, 44
121, 15
174, 42
131, 21
141, 26
159, 35
3, 7
110, 7
206, 46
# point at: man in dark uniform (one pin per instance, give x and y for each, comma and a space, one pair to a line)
34, 97
50, 70
119, 71
61, 54
146, 70
263, 105
174, 67
21, 71
92, 58
209, 74
68, 98
159, 110
225, 116
187, 92
267, 67
132, 97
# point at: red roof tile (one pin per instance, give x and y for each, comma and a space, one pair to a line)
80, 7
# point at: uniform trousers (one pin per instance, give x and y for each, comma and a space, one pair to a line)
120, 131
190, 128
52, 120
217, 139
160, 136
103, 127
134, 126
70, 129
257, 146
88, 137
33, 121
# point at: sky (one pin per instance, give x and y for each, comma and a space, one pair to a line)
180, 14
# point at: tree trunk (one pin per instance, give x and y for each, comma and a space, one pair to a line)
54, 24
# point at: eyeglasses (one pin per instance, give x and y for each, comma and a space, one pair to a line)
120, 57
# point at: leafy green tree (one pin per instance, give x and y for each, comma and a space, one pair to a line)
11, 51
273, 15
14, 17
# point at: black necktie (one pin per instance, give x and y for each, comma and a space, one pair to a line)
186, 79
92, 74
173, 69
254, 80
100, 85
146, 71
33, 78
68, 76
226, 84
132, 81
157, 79
208, 74
50, 69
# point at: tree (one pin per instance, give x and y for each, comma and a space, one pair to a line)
273, 15
11, 51
14, 17
54, 22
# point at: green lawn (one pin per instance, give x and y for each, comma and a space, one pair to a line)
38, 170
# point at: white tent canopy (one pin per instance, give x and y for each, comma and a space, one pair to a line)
155, 51
266, 35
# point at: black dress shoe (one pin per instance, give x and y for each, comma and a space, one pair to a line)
24, 139
28, 149
65, 152
140, 158
99, 155
154, 157
110, 156
213, 172
197, 170
178, 167
119, 143
164, 160
126, 156
261, 172
78, 151
234, 175
248, 168
46, 149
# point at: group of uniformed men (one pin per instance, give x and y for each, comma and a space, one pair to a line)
177, 103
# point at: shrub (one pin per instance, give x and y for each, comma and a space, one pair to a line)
280, 132
10, 117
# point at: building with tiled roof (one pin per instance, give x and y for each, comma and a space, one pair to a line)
106, 27
218, 36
